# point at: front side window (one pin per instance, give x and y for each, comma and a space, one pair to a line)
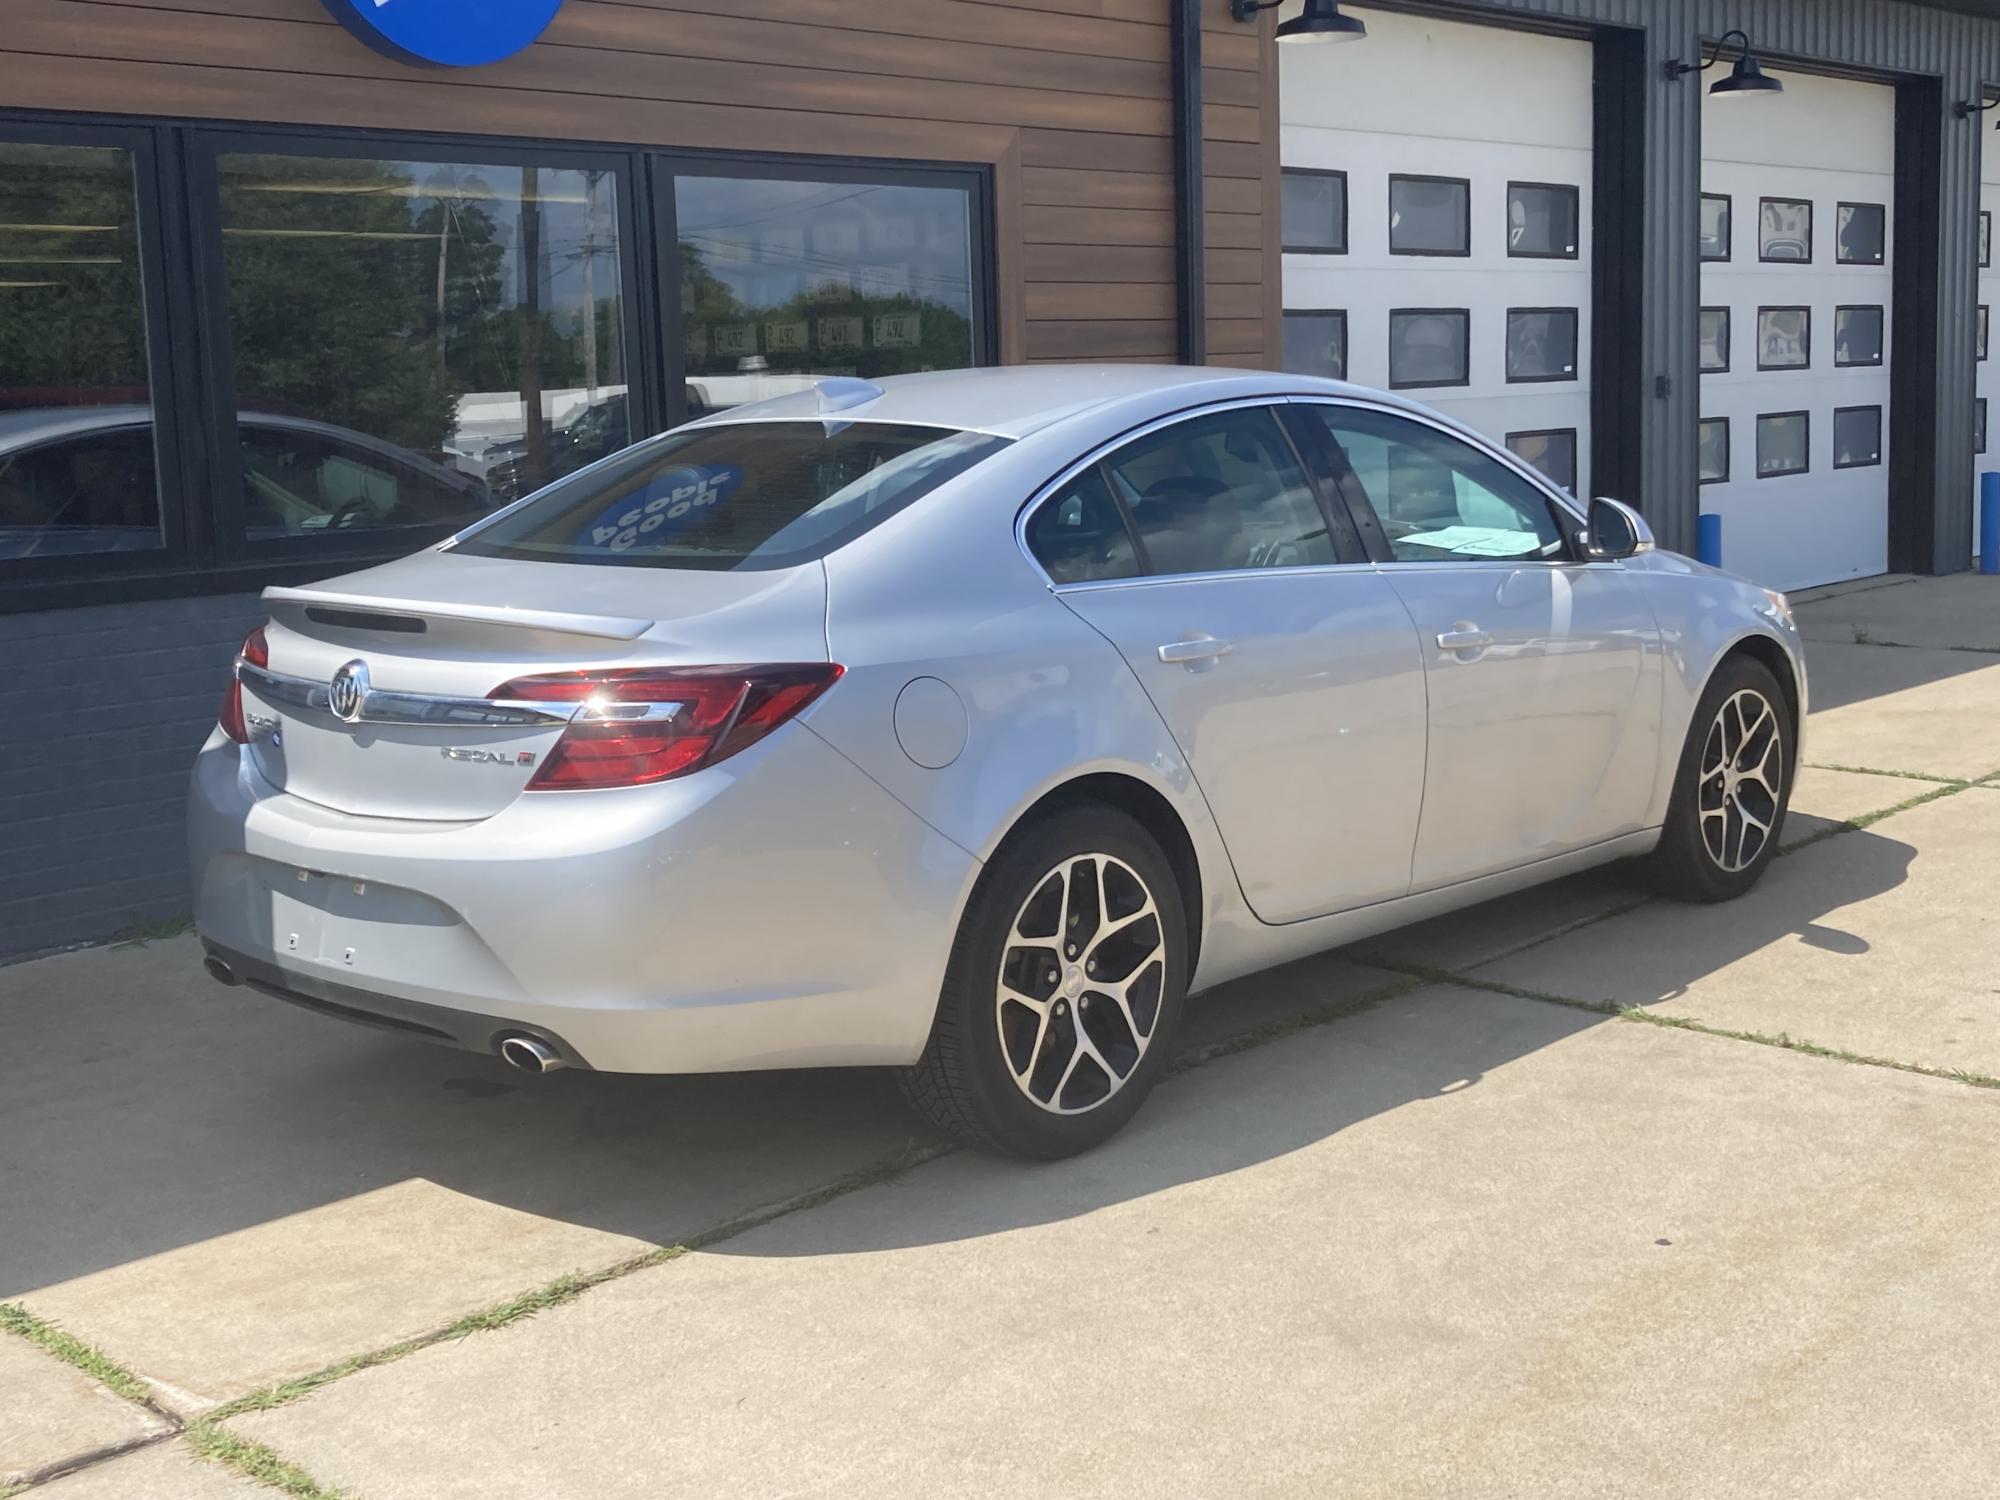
1438, 498
1078, 535
743, 496
1314, 212
783, 281
461, 316
1430, 216
1316, 344
78, 473
1220, 492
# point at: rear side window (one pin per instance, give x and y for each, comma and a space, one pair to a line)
1078, 535
745, 495
1220, 492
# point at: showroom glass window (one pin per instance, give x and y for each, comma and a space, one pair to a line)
415, 342
79, 470
784, 279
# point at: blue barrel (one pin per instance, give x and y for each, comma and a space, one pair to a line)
1989, 522
1708, 536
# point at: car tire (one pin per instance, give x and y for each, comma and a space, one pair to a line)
1053, 1023
1731, 788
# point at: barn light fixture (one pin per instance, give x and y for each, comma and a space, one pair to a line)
1320, 21
1745, 80
1965, 109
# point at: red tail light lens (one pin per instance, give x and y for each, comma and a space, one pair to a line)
258, 653
645, 724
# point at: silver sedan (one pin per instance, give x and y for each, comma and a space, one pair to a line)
964, 724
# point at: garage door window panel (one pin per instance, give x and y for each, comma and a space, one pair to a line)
1857, 336
1784, 338
1316, 342
1979, 425
1314, 210
1979, 334
1220, 493
1860, 234
1714, 340
1857, 437
1435, 497
1985, 239
1541, 344
1551, 451
1430, 215
1712, 450
1717, 213
1429, 347
1784, 444
1542, 220
1784, 230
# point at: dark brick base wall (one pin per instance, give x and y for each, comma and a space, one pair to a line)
101, 711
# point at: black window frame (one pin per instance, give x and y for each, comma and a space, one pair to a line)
186, 300
1728, 458
1881, 312
1576, 218
1728, 332
1785, 307
1842, 411
1812, 215
1757, 457
1464, 315
1728, 202
1575, 453
1339, 313
1506, 346
171, 375
1346, 202
1842, 260
1389, 223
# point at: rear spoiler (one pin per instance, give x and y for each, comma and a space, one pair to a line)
608, 627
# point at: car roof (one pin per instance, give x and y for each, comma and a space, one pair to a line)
1015, 400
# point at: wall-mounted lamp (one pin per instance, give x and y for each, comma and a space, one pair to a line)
1320, 21
1745, 80
1965, 109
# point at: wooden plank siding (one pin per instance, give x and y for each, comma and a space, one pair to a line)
1067, 101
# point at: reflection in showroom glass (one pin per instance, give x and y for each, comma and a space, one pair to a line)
78, 473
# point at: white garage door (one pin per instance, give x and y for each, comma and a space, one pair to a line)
1989, 293
1797, 199
1437, 224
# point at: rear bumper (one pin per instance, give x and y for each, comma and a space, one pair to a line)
779, 910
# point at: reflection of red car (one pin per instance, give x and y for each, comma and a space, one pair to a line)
84, 479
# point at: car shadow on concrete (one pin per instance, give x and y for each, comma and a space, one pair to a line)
148, 1109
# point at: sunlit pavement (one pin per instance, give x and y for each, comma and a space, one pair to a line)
1579, 1193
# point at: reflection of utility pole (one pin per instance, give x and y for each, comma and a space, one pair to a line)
535, 432
444, 239
590, 181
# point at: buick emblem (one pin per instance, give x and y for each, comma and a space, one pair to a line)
348, 691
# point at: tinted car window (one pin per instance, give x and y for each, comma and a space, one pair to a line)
1078, 535
305, 480
91, 493
1220, 492
741, 495
1440, 499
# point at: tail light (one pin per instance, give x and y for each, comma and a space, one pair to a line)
258, 654
645, 724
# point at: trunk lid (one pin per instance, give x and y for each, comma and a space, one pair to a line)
437, 633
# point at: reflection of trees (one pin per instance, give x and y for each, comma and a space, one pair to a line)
70, 318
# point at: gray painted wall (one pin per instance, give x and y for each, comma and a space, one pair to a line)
101, 711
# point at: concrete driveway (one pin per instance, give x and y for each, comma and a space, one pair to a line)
1579, 1193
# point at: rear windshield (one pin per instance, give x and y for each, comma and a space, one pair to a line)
745, 495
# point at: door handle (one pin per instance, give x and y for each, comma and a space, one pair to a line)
1197, 649
1464, 636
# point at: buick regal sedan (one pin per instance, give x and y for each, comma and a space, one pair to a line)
963, 725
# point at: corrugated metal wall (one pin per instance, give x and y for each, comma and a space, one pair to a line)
1881, 39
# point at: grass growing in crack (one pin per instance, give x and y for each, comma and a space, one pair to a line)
1819, 765
255, 1461
95, 1363
1863, 820
138, 934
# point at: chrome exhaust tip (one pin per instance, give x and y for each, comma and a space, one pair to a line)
219, 971
530, 1055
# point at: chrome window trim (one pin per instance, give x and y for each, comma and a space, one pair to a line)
436, 710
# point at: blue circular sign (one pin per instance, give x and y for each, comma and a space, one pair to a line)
447, 33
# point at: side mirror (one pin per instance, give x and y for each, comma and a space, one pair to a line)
1615, 531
